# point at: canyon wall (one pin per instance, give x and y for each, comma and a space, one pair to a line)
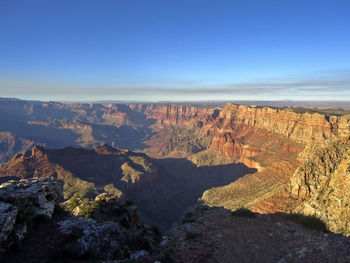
321, 185
236, 122
231, 127
177, 114
281, 145
87, 172
274, 141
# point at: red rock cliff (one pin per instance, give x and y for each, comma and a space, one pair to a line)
236, 124
177, 114
271, 141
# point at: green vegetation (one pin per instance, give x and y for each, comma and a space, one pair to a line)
308, 221
74, 202
243, 212
73, 184
86, 206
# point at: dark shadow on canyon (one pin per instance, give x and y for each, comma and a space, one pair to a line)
178, 186
56, 125
162, 197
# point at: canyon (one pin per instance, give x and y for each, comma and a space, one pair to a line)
197, 148
35, 227
161, 188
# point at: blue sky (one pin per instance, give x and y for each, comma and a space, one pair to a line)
175, 50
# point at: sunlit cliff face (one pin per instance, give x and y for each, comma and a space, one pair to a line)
192, 141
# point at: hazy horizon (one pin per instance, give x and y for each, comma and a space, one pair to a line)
319, 104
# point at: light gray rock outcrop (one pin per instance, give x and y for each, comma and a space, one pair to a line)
21, 201
97, 239
40, 195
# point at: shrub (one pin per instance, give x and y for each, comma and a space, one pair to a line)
243, 212
74, 201
87, 208
308, 221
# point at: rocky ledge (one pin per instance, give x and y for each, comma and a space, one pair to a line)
108, 229
212, 234
34, 227
21, 202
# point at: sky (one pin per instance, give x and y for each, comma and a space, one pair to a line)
71, 50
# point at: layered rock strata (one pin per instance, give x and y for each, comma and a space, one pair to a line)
177, 114
321, 184
277, 142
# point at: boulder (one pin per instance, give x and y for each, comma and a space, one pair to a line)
99, 240
20, 202
38, 195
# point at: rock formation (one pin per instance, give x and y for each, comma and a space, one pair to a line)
277, 142
12, 144
112, 230
321, 184
178, 114
212, 234
82, 170
162, 189
21, 202
273, 141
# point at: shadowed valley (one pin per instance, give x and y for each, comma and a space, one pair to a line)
162, 189
192, 151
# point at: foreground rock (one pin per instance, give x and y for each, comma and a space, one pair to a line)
108, 229
215, 235
21, 202
104, 229
98, 240
111, 229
